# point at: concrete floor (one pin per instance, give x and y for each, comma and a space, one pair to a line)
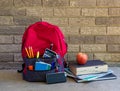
10, 80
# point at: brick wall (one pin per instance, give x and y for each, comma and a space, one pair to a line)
90, 26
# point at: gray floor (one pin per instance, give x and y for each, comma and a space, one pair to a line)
10, 80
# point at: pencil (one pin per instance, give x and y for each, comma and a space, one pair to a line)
27, 52
32, 54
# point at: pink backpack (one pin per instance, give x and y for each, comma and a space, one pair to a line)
40, 36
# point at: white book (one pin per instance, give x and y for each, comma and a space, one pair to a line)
92, 66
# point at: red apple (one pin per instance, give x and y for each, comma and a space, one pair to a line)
81, 58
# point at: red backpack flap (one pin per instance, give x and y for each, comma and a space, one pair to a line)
40, 36
61, 43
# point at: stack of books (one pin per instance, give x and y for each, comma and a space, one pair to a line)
93, 70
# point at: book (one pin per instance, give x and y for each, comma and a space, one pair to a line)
109, 75
92, 66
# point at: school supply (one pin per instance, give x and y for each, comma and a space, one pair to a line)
49, 53
43, 48
55, 77
109, 75
29, 52
92, 66
38, 54
30, 67
39, 66
97, 77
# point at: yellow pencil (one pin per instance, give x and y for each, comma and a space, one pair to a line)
32, 54
27, 52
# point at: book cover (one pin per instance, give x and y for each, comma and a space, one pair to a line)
92, 66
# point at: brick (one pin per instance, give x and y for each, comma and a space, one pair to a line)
103, 56
46, 12
17, 57
93, 31
107, 39
114, 11
6, 20
6, 3
57, 21
115, 21
10, 65
10, 48
6, 39
25, 20
18, 39
90, 56
6, 57
73, 48
54, 3
39, 11
102, 21
108, 21
70, 30
27, 2
111, 57
108, 3
13, 12
93, 48
67, 12
81, 21
18, 11
95, 12
64, 30
81, 39
113, 30
113, 48
82, 3
101, 39
67, 39
71, 56
113, 39
12, 29
115, 57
